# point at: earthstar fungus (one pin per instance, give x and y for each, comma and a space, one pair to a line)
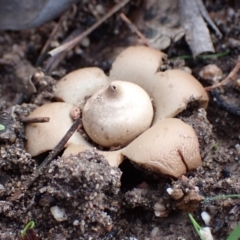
118, 113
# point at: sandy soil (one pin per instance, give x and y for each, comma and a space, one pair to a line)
99, 201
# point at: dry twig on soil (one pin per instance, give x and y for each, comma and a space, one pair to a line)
34, 119
71, 44
231, 76
134, 29
46, 45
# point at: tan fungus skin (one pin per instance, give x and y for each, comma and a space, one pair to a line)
138, 64
182, 86
43, 137
170, 147
78, 85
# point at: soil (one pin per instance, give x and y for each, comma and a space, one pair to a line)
102, 202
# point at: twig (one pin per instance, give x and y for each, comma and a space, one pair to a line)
46, 45
69, 45
53, 62
134, 29
47, 160
230, 77
34, 119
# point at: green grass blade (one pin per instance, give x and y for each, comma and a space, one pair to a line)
209, 199
235, 234
30, 225
204, 56
196, 226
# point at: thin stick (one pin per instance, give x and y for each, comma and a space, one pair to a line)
46, 45
69, 45
230, 77
47, 160
53, 62
134, 29
34, 119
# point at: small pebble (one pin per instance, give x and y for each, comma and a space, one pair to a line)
206, 217
75, 222
169, 191
154, 232
58, 213
211, 72
206, 233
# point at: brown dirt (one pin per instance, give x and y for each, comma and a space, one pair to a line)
102, 202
